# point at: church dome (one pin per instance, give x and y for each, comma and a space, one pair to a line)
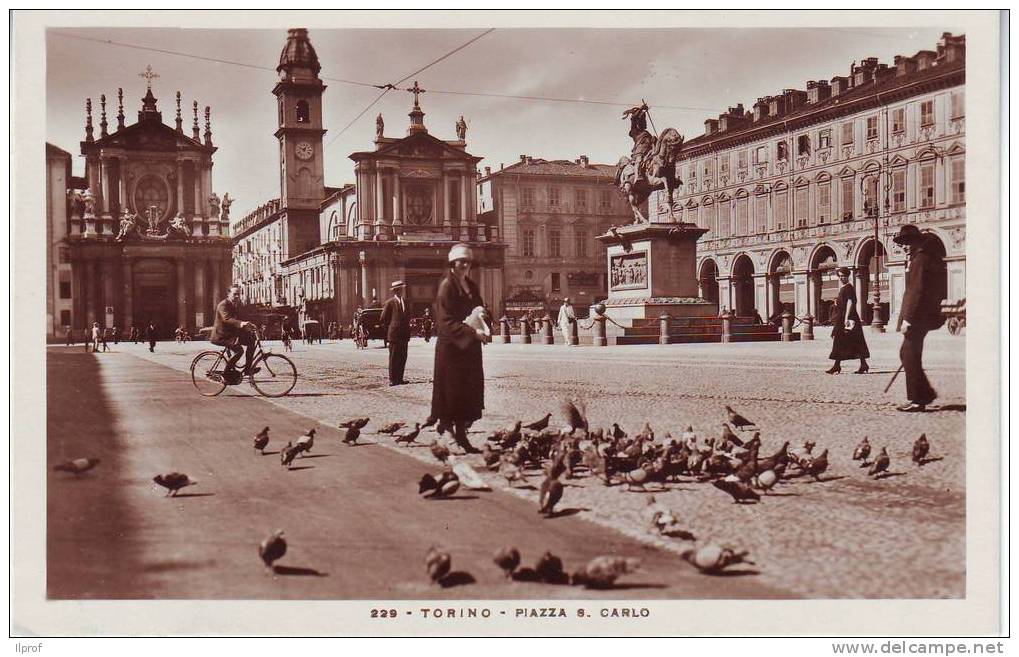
298, 51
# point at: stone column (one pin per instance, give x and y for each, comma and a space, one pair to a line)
182, 293
365, 290
122, 185
108, 292
91, 293
201, 302
380, 200
442, 207
397, 209
77, 293
180, 186
465, 215
128, 296
103, 202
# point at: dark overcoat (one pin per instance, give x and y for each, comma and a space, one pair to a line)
847, 344
458, 392
396, 321
226, 325
925, 289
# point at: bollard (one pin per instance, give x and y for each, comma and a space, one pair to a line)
727, 326
525, 330
574, 338
808, 327
599, 331
546, 330
504, 329
787, 326
663, 329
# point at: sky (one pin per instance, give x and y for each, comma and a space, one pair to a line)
686, 75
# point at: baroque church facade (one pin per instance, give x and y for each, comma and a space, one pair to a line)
140, 238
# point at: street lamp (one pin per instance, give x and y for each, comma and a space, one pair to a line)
875, 323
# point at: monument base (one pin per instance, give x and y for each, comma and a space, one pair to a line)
622, 310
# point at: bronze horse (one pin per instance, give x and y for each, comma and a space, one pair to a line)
659, 172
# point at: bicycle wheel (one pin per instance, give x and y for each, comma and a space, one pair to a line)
207, 373
277, 377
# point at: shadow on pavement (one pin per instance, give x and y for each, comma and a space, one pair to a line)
297, 570
562, 513
457, 578
193, 495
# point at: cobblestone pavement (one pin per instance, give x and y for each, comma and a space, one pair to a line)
845, 537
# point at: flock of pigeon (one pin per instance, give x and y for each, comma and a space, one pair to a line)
731, 463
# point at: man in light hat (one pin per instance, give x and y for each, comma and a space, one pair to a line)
920, 313
397, 322
567, 317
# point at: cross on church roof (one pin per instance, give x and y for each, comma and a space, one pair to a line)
148, 74
416, 90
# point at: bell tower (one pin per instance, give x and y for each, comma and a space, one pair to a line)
299, 100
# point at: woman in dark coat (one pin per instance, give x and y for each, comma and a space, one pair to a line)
847, 332
458, 393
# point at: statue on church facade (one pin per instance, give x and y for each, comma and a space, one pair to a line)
76, 201
380, 126
227, 202
213, 206
128, 225
461, 129
89, 203
178, 227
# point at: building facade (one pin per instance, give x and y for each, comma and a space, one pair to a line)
800, 185
321, 253
141, 237
549, 213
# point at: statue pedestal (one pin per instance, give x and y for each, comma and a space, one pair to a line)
214, 228
107, 225
196, 227
75, 225
652, 270
224, 228
90, 225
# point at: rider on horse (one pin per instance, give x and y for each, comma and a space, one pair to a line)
643, 141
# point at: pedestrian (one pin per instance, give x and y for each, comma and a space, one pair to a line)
102, 339
87, 334
70, 337
458, 392
150, 335
96, 332
757, 318
426, 324
567, 318
116, 335
394, 318
134, 334
288, 344
848, 342
920, 313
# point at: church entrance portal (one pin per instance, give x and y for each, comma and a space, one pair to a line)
154, 283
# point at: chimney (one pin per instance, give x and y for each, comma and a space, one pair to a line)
488, 171
883, 71
864, 73
710, 126
904, 65
523, 158
839, 85
529, 160
794, 99
760, 109
583, 161
817, 91
951, 48
925, 59
776, 105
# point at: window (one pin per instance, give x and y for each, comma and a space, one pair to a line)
65, 289
723, 165
303, 113
927, 113
556, 286
800, 206
761, 155
803, 145
528, 275
781, 209
871, 201
824, 139
899, 190
527, 197
555, 238
824, 202
553, 196
958, 105
65, 317
899, 120
706, 218
871, 127
580, 237
742, 212
927, 184
709, 169
580, 198
527, 242
64, 255
958, 173
847, 133
761, 213
724, 217
741, 159
783, 151
605, 200
848, 207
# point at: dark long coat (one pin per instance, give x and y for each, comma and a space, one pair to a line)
847, 345
925, 289
458, 392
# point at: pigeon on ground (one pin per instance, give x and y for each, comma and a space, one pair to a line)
920, 449
513, 435
738, 420
272, 548
490, 456
351, 435
549, 569
636, 477
411, 435
574, 413
616, 432
507, 558
511, 472
429, 421
392, 427
468, 476
288, 454
862, 452
305, 442
438, 563
659, 518
549, 494
173, 482
816, 466
439, 451
713, 559
446, 484
359, 423
602, 572
77, 466
262, 440
737, 489
688, 434
729, 436
803, 454
766, 480
539, 424
880, 464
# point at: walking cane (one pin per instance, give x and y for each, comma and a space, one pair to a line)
894, 376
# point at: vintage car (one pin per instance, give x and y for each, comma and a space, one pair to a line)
368, 320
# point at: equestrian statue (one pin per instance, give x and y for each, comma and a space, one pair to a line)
651, 165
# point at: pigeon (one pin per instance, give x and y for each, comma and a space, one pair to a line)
766, 480
729, 436
468, 476
491, 457
623, 241
410, 435
549, 494
636, 477
77, 466
574, 416
262, 440
305, 442
549, 569
359, 423
392, 427
173, 482
429, 421
602, 572
920, 449
737, 489
437, 562
881, 463
862, 452
539, 424
688, 434
351, 435
512, 436
272, 548
507, 558
803, 454
616, 432
446, 484
288, 454
439, 451
511, 472
660, 519
815, 466
713, 559
738, 420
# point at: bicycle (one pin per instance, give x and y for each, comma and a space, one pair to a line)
276, 378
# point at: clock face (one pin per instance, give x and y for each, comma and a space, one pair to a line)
304, 150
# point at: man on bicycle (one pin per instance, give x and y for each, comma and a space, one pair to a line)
233, 333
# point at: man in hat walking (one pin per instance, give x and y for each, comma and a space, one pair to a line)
920, 313
397, 322
567, 318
